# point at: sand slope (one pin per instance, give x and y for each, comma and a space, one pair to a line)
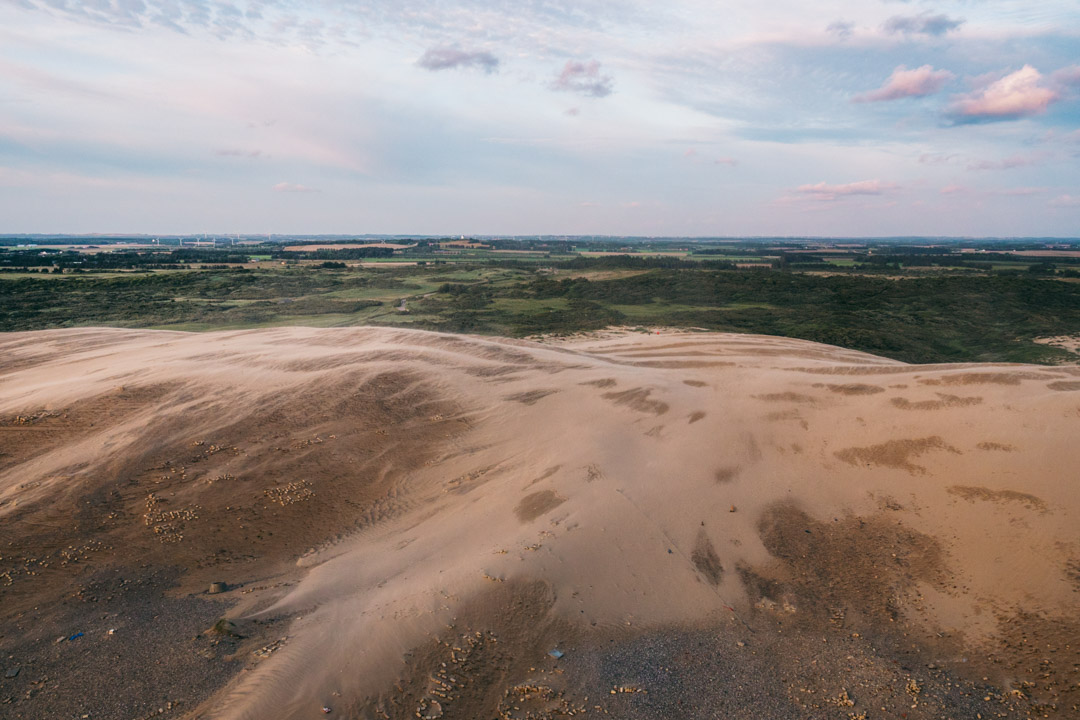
389, 501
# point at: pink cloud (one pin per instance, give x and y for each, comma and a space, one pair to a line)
290, 188
904, 83
1016, 95
826, 192
726, 161
953, 189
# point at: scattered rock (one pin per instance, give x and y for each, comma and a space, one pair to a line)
268, 650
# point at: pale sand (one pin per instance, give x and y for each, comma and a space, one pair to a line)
607, 468
1065, 342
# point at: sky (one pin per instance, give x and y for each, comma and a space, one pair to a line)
517, 117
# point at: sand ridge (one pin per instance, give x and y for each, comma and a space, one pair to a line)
371, 487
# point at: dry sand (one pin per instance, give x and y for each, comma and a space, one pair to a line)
706, 525
1065, 342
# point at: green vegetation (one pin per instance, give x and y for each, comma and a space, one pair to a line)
921, 316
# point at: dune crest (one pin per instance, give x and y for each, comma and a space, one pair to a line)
389, 500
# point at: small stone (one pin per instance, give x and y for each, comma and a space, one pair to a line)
12, 672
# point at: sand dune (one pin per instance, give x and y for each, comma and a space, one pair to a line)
410, 521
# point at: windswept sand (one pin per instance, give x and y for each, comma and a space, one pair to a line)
707, 525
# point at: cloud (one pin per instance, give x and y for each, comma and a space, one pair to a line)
904, 83
1065, 201
42, 80
937, 159
219, 19
921, 24
583, 78
233, 152
290, 188
682, 73
1071, 137
1008, 163
841, 29
1020, 191
1016, 95
953, 189
1066, 77
697, 157
445, 58
826, 192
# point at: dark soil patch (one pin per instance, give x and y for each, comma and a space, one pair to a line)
638, 399
706, 560
537, 504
